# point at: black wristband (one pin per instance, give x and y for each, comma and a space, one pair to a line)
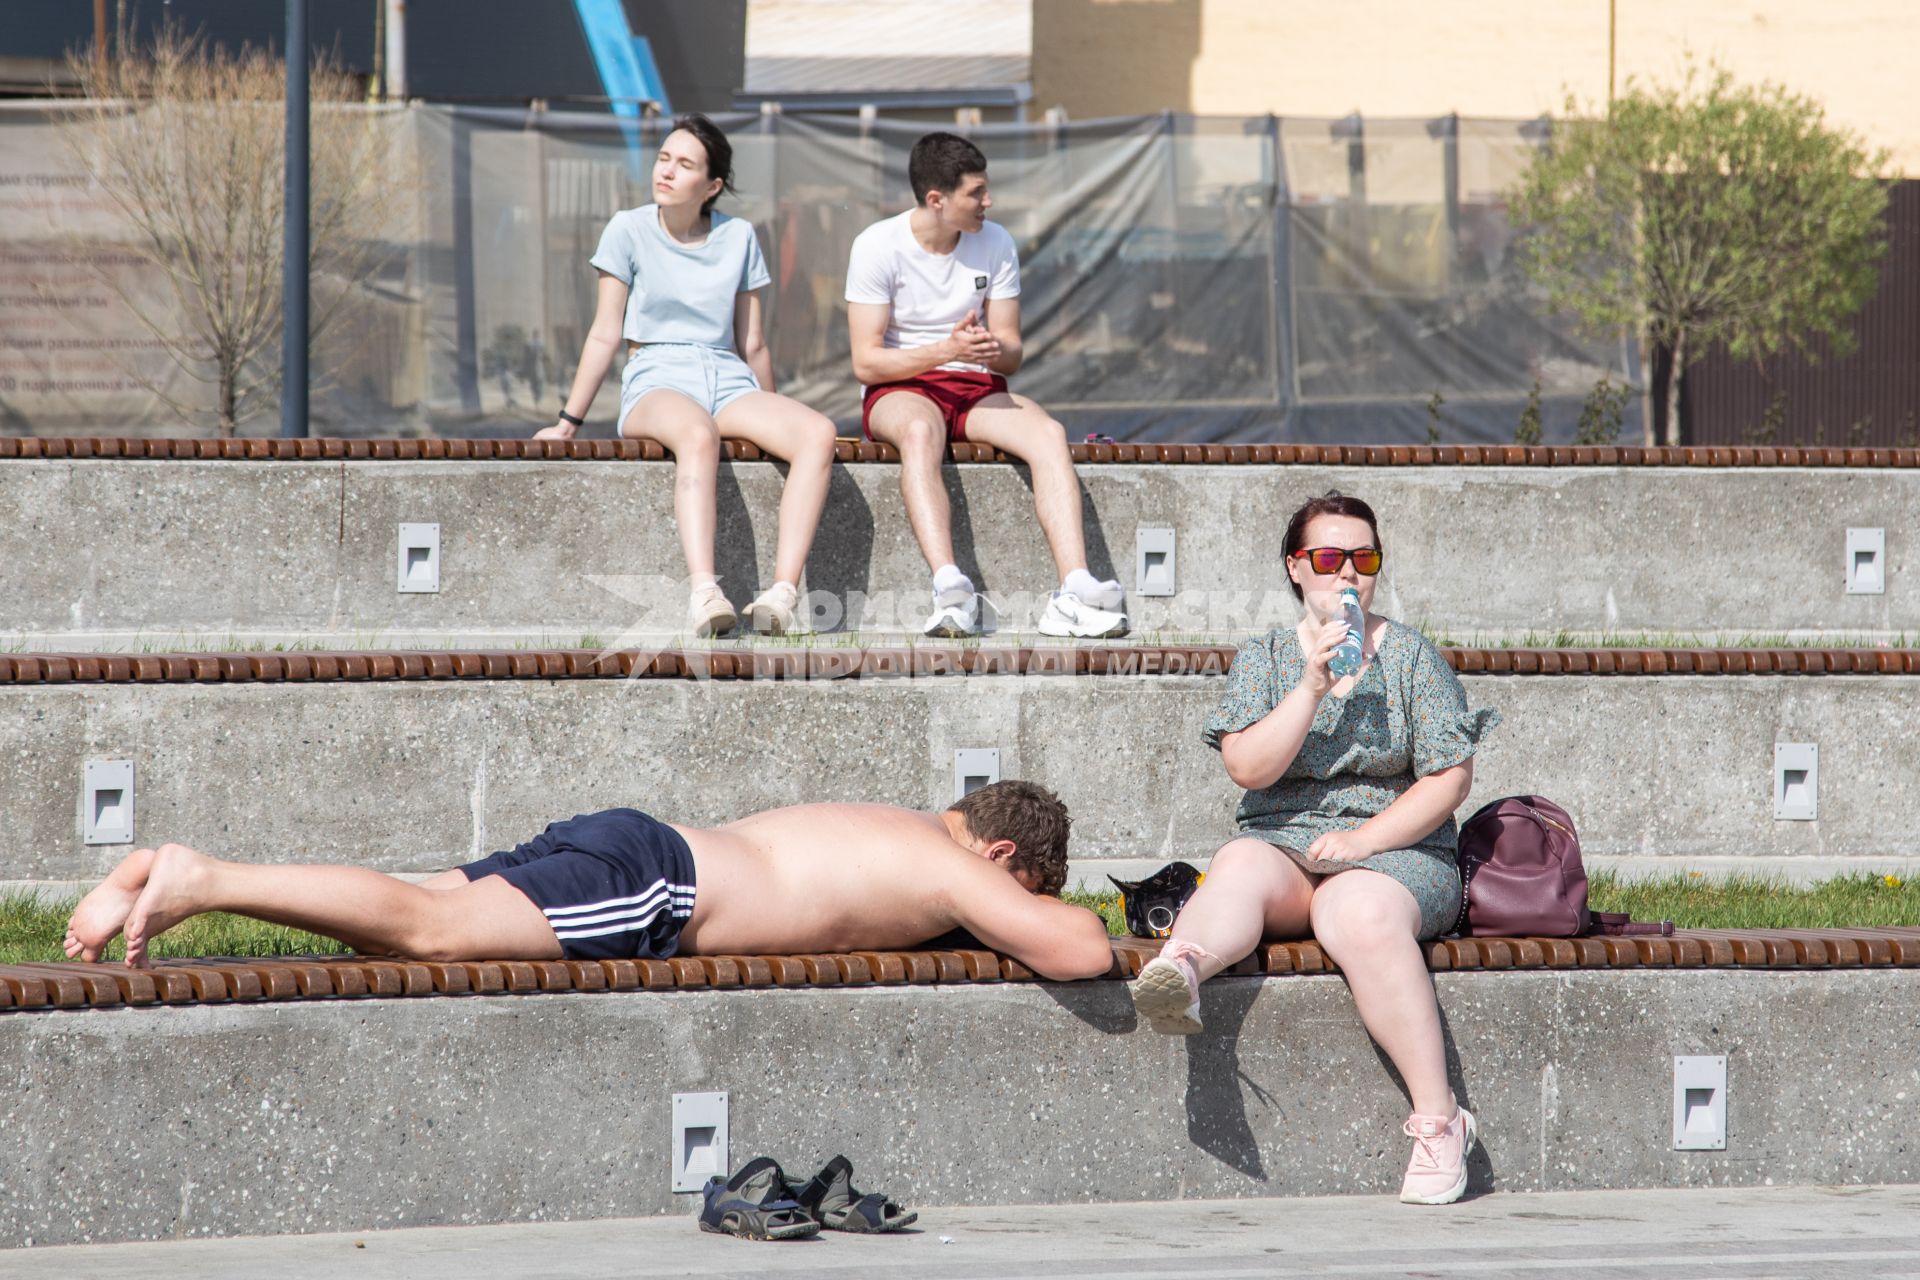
567, 417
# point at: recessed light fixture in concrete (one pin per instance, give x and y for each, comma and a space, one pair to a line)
1153, 572
1700, 1103
1796, 781
419, 558
106, 802
1866, 562
699, 1139
974, 768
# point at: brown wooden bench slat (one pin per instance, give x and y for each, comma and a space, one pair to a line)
517, 976
720, 971
687, 972
982, 966
75, 986
885, 967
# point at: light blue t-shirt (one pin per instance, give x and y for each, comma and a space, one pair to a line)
676, 292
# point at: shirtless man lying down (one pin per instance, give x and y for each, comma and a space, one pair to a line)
807, 879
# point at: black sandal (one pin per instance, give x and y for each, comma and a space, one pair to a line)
833, 1200
755, 1204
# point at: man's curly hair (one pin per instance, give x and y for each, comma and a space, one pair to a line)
1029, 815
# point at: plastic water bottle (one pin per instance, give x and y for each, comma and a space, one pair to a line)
1349, 653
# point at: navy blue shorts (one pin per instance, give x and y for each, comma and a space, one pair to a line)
616, 885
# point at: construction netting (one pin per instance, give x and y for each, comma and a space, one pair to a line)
1183, 278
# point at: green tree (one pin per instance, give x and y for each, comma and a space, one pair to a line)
1528, 432
1705, 213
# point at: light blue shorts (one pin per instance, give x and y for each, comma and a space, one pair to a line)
709, 376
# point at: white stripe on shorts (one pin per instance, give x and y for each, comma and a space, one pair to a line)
642, 911
627, 920
609, 903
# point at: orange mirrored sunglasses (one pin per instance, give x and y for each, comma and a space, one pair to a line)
1325, 560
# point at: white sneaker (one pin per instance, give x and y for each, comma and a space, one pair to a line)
1106, 595
772, 611
955, 614
709, 614
1068, 615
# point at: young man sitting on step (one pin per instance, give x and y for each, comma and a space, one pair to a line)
933, 314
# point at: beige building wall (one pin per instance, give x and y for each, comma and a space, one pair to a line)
1492, 58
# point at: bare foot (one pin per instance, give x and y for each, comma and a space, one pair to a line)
170, 896
97, 920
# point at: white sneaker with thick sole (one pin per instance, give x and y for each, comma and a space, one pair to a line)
1165, 997
956, 614
709, 614
772, 611
1068, 615
1437, 1173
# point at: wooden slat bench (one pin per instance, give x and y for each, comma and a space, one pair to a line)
221, 980
876, 662
1126, 453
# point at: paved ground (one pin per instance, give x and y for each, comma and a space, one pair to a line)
1824, 1232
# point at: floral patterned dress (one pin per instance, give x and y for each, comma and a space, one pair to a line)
1405, 717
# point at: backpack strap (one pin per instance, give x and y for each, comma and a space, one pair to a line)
1618, 924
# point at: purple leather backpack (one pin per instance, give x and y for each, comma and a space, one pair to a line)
1521, 875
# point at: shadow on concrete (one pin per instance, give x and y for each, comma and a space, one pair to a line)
841, 562
1217, 1088
1106, 1007
734, 557
964, 553
1481, 1175
1099, 555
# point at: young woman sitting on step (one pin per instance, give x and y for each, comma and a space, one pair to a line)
681, 284
1347, 824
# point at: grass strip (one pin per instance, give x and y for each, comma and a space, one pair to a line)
32, 928
1696, 901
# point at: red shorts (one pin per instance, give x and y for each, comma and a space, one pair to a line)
954, 391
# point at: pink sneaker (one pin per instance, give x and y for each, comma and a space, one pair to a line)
1167, 995
1437, 1174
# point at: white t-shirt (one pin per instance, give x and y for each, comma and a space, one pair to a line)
931, 292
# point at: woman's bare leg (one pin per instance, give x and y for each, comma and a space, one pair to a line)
803, 439
370, 911
1370, 924
685, 430
1252, 891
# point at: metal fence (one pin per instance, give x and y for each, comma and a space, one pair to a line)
1184, 278
1867, 399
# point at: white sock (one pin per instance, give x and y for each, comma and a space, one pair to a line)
1084, 585
949, 578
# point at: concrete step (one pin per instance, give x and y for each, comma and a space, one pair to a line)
413, 775
273, 1117
131, 554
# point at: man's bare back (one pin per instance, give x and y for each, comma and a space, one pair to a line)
829, 877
